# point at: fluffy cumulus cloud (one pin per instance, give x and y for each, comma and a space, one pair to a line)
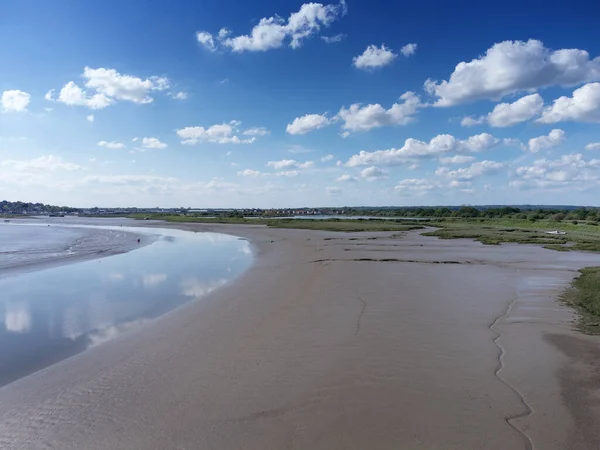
111, 145
151, 143
106, 86
73, 95
43, 163
366, 117
374, 57
570, 171
287, 164
514, 66
373, 174
15, 101
475, 170
307, 123
554, 138
522, 110
217, 134
275, 31
582, 106
90, 118
413, 150
409, 49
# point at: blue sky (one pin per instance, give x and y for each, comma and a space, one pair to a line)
284, 103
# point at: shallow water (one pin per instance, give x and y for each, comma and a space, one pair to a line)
52, 314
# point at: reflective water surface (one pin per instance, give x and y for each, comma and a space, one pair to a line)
51, 314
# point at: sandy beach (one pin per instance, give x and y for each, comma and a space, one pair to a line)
337, 341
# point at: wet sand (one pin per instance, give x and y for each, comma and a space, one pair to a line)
337, 341
37, 245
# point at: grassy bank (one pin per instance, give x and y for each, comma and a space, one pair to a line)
580, 236
584, 296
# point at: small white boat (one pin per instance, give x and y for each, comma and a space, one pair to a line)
556, 232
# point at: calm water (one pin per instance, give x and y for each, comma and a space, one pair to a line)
49, 315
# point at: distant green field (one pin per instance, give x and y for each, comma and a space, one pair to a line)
584, 296
581, 236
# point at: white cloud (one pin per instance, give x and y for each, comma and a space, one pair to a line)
507, 114
455, 160
568, 172
333, 39
374, 57
373, 173
123, 87
414, 149
514, 66
249, 173
274, 32
73, 95
307, 123
286, 164
256, 131
108, 86
217, 134
327, 158
409, 49
475, 170
288, 173
583, 106
365, 118
90, 118
333, 191
346, 179
111, 145
152, 143
554, 138
49, 95
15, 101
181, 95
593, 146
206, 39
43, 163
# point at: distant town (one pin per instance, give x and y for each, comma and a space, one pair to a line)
531, 212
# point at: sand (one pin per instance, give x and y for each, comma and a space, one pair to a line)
37, 245
337, 341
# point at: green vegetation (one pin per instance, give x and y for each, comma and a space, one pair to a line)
581, 236
584, 296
